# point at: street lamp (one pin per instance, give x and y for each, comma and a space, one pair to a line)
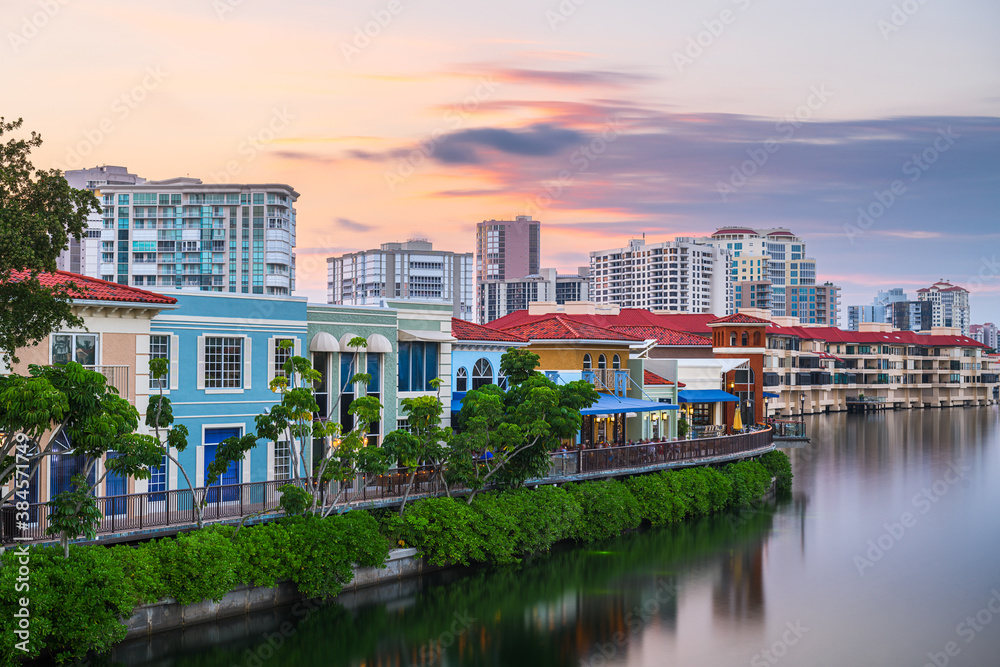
802, 403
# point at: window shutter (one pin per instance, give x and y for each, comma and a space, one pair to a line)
297, 349
270, 460
174, 361
271, 344
247, 361
201, 363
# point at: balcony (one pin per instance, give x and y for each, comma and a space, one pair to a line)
118, 377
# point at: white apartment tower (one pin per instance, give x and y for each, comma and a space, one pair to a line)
679, 276
411, 271
951, 307
181, 233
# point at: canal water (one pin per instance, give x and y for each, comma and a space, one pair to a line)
887, 553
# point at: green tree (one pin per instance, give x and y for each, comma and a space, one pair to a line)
39, 214
507, 436
425, 443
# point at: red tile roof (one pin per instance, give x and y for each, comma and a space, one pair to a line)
696, 323
649, 378
557, 327
664, 336
733, 230
740, 318
835, 335
94, 289
464, 330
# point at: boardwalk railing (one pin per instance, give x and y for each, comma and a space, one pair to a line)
146, 512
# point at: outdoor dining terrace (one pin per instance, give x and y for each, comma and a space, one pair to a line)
138, 516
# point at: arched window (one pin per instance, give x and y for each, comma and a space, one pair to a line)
587, 363
756, 339
602, 362
732, 339
462, 380
616, 362
745, 340
482, 374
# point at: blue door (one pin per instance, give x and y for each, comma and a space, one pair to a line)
114, 485
213, 436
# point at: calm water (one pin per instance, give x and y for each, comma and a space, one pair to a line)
856, 569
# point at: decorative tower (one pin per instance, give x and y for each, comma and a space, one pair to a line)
742, 336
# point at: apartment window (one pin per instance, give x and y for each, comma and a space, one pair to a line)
462, 380
602, 362
281, 355
159, 348
223, 363
418, 365
616, 362
587, 362
482, 374
158, 481
282, 460
81, 348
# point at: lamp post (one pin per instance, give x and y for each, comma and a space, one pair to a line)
802, 403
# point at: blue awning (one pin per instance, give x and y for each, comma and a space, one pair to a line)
706, 396
768, 394
608, 404
456, 400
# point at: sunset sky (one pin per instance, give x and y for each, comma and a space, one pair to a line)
403, 118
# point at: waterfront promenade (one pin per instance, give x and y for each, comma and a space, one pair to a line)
144, 515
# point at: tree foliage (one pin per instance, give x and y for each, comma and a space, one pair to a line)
39, 214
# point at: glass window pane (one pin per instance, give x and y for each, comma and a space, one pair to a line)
61, 345
403, 363
418, 379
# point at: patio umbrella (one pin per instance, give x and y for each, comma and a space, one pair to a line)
737, 421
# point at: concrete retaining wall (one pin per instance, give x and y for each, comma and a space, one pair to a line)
168, 614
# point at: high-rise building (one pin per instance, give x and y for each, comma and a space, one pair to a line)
879, 311
985, 334
827, 304
779, 257
503, 297
952, 308
913, 315
410, 271
181, 233
506, 250
679, 275
84, 256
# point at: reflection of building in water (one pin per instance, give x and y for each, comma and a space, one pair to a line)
739, 592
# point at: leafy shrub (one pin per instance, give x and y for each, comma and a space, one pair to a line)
199, 565
657, 497
547, 515
608, 510
750, 482
499, 527
76, 603
294, 500
443, 530
780, 467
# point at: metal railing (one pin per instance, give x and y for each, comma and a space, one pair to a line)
139, 512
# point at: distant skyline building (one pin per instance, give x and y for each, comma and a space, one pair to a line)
503, 297
777, 256
410, 271
984, 333
951, 305
506, 251
880, 309
679, 276
912, 315
181, 233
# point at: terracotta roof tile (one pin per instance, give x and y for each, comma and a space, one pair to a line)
650, 379
664, 336
463, 330
94, 289
557, 327
740, 318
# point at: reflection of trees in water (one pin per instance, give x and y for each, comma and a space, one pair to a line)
738, 595
556, 609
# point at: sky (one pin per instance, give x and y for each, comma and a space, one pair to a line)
871, 128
